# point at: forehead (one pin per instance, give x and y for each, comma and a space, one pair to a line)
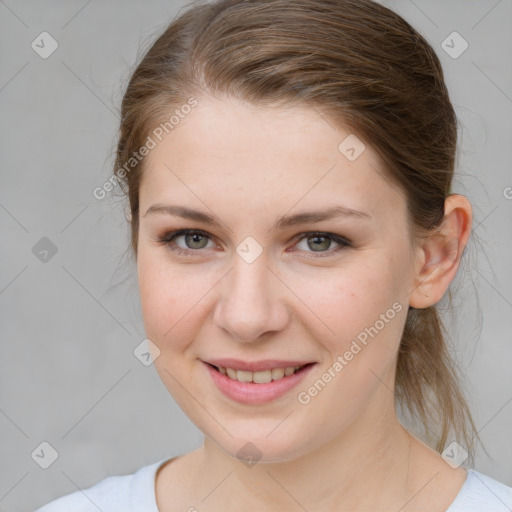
228, 152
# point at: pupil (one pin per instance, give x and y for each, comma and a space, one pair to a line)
196, 238
316, 238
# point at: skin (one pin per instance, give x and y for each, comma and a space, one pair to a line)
345, 449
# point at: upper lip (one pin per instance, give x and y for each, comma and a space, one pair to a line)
255, 366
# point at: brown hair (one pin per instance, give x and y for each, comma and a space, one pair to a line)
357, 62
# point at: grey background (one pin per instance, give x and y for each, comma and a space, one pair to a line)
68, 375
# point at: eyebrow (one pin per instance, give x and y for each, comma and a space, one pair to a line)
282, 223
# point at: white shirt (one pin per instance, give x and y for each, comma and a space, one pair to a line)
136, 493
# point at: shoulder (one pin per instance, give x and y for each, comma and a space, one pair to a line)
481, 492
120, 493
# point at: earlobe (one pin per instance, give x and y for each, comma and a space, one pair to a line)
441, 253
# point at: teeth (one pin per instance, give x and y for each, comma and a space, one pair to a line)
258, 377
278, 373
243, 376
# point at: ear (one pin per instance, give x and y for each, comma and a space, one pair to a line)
439, 254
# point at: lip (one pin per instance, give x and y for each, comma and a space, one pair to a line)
255, 366
254, 394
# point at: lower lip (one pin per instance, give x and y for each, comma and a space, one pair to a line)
251, 393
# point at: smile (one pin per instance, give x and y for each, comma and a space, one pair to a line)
261, 377
257, 387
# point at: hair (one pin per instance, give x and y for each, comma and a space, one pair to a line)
361, 65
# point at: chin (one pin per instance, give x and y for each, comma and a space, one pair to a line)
261, 449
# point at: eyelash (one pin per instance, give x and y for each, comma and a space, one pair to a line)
167, 240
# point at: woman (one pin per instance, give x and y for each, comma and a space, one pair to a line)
288, 166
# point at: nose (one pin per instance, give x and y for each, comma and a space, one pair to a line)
252, 301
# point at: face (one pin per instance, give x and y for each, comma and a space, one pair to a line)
250, 286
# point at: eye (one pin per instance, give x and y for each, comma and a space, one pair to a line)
194, 240
322, 241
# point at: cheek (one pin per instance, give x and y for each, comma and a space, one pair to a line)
348, 299
362, 308
362, 320
170, 301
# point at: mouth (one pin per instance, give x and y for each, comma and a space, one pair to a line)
257, 387
259, 377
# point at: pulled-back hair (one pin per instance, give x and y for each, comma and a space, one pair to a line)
360, 65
